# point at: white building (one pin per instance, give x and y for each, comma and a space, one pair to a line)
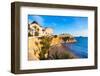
36, 30
48, 31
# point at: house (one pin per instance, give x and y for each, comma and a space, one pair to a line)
48, 31
36, 30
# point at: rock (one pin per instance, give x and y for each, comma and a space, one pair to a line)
34, 48
60, 52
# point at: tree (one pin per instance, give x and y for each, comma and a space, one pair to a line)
45, 42
29, 34
35, 27
36, 33
65, 39
55, 36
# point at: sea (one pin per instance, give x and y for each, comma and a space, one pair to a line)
79, 48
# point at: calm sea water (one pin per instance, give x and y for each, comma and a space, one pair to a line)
80, 48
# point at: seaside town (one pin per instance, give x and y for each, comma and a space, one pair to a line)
43, 44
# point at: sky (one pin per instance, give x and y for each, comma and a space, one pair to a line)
76, 26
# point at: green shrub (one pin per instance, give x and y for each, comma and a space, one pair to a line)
65, 38
36, 33
45, 42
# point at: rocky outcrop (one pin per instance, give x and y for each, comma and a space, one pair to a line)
34, 48
56, 40
59, 51
67, 38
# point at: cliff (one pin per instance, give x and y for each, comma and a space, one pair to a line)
59, 51
67, 38
37, 48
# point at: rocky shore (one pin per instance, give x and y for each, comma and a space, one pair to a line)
56, 49
60, 51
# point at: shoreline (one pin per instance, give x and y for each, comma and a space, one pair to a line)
60, 51
70, 52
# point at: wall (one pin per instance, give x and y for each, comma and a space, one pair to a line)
5, 36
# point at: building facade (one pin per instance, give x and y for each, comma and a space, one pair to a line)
36, 30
